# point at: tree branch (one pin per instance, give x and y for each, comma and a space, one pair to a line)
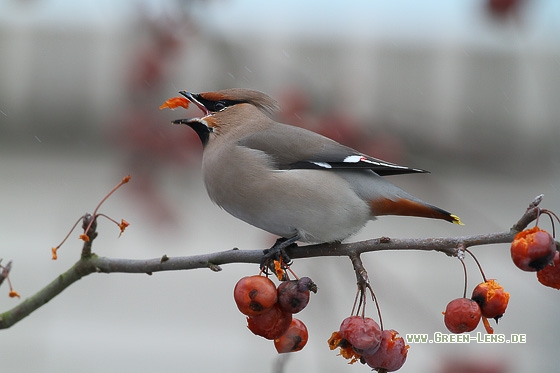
91, 263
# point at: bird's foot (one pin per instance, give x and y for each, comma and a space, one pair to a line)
277, 253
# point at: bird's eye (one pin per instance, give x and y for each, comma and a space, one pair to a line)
219, 106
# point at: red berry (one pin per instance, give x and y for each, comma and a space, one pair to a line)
293, 295
391, 353
532, 249
254, 294
271, 323
491, 298
550, 274
294, 339
363, 333
462, 315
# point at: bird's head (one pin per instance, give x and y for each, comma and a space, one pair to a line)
224, 108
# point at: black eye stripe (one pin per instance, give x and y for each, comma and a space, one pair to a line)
215, 106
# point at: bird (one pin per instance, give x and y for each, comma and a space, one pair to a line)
289, 181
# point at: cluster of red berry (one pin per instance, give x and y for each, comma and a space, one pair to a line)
269, 309
361, 339
488, 301
532, 250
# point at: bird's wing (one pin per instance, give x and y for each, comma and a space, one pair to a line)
297, 148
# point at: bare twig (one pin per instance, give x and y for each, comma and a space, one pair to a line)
91, 263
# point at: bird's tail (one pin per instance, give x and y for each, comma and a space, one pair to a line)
407, 207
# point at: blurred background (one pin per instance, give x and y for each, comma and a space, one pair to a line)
468, 89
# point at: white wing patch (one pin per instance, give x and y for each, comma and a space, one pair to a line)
322, 164
361, 158
354, 159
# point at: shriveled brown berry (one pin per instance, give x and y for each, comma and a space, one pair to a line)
294, 339
532, 249
491, 298
293, 296
462, 315
254, 294
271, 323
363, 333
391, 354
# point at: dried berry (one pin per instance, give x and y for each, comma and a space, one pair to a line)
391, 354
293, 295
363, 333
532, 249
491, 298
550, 274
462, 315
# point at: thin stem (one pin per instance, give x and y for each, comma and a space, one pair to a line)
478, 264
466, 277
374, 297
551, 214
108, 218
355, 302
362, 282
70, 232
289, 269
125, 180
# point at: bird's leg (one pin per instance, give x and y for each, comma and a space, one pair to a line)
278, 252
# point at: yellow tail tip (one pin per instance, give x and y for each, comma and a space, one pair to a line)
456, 220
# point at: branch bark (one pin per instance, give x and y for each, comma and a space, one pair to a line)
91, 263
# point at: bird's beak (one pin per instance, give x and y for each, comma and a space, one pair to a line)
191, 97
191, 121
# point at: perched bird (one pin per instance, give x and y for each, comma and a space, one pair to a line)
289, 181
